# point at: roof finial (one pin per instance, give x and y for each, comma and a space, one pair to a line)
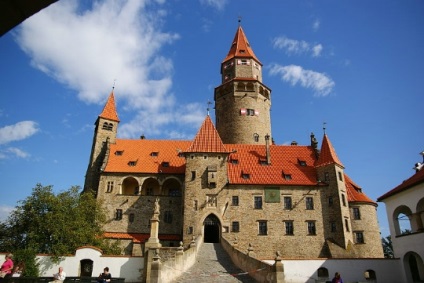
113, 87
239, 20
323, 126
209, 103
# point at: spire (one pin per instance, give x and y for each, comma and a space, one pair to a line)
207, 139
109, 112
240, 48
328, 154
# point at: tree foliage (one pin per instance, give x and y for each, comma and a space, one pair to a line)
55, 224
387, 247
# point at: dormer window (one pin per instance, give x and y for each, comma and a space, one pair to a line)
287, 177
301, 162
234, 161
119, 152
154, 153
245, 176
165, 164
132, 163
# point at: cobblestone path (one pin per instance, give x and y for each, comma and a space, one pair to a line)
213, 265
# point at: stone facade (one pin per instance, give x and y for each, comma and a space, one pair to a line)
301, 203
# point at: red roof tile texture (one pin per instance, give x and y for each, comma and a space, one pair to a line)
354, 192
240, 47
207, 139
415, 179
147, 156
328, 154
109, 112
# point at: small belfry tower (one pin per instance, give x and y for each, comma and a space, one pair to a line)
242, 101
105, 131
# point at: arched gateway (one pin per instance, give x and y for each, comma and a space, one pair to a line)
212, 229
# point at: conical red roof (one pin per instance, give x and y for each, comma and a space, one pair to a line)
240, 47
207, 139
328, 154
109, 112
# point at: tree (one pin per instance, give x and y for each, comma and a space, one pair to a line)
387, 247
56, 224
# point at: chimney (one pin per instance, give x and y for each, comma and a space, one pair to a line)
142, 137
268, 154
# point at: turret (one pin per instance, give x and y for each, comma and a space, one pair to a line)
106, 127
242, 101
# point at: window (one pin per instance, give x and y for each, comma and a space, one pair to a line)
132, 163
154, 153
211, 200
136, 190
107, 126
245, 176
356, 213
287, 176
118, 214
131, 218
326, 176
343, 200
190, 230
119, 152
258, 202
347, 225
235, 226
263, 229
323, 272
301, 162
235, 201
311, 228
167, 218
289, 227
195, 205
149, 191
330, 201
359, 237
309, 203
109, 188
333, 226
287, 203
250, 112
256, 137
340, 176
234, 161
174, 192
165, 164
193, 175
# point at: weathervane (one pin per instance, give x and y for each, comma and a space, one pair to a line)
323, 126
114, 81
239, 20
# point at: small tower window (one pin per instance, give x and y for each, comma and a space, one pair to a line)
256, 137
107, 126
118, 214
131, 218
340, 176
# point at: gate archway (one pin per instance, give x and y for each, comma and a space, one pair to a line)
212, 229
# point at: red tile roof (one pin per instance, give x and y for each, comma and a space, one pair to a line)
109, 112
327, 154
285, 160
148, 156
140, 237
415, 179
354, 192
240, 47
207, 139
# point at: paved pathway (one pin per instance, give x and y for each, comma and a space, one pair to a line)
213, 265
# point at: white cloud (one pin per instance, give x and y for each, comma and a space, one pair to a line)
17, 152
5, 212
319, 82
293, 46
218, 4
316, 24
86, 49
18, 131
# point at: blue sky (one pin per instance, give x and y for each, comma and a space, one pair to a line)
355, 65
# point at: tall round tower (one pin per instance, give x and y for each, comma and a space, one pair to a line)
242, 101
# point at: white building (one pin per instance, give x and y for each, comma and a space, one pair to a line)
405, 212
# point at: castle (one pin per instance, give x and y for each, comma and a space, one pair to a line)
232, 180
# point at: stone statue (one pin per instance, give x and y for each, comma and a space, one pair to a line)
157, 207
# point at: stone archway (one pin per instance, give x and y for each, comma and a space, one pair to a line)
212, 229
413, 267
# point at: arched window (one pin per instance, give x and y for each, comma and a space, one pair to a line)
322, 272
256, 137
107, 126
370, 275
402, 220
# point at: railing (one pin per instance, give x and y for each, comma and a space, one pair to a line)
69, 279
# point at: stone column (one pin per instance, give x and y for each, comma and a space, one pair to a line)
152, 243
278, 269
